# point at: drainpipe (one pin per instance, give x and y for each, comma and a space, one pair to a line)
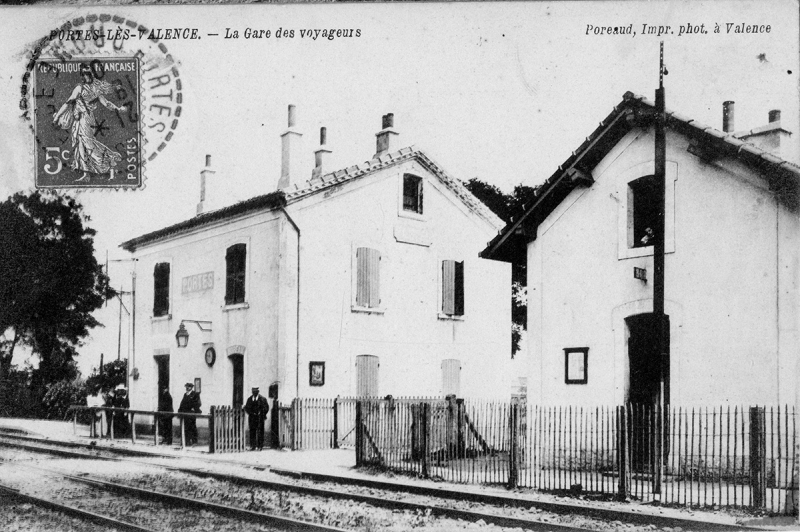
297, 328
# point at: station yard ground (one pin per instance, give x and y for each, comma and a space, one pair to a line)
341, 463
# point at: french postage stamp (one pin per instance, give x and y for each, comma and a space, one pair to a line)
87, 121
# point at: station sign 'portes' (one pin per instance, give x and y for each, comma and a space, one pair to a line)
199, 282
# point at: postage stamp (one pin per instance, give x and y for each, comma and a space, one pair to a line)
87, 122
103, 97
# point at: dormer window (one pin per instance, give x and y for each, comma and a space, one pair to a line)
643, 211
412, 194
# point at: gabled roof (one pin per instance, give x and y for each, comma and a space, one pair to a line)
293, 194
634, 111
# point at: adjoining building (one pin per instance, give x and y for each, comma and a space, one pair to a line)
731, 265
362, 281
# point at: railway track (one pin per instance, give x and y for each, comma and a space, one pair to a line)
442, 504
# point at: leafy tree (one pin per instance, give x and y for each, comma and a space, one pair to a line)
505, 206
112, 375
61, 395
51, 282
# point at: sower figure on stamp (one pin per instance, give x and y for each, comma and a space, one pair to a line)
190, 404
257, 408
77, 116
165, 422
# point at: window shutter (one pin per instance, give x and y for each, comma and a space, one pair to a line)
458, 289
235, 261
374, 278
448, 282
161, 289
368, 277
419, 196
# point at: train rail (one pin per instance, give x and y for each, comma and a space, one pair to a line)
395, 496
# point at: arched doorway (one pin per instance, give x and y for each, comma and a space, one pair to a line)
237, 370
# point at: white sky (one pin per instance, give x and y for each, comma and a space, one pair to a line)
501, 91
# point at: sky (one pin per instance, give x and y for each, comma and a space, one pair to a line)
501, 91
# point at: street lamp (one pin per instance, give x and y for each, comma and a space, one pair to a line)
182, 336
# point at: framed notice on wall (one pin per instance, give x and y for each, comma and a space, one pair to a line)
316, 373
576, 365
197, 384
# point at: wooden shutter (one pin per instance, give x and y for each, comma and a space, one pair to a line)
367, 375
235, 261
161, 289
368, 277
451, 377
458, 289
448, 283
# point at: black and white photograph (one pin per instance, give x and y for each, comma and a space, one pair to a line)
400, 265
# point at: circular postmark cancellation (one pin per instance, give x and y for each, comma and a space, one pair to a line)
104, 97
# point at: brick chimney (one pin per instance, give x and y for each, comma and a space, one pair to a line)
204, 174
771, 137
387, 138
322, 155
291, 144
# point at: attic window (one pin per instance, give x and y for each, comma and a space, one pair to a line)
412, 193
642, 211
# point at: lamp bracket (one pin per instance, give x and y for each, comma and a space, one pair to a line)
200, 324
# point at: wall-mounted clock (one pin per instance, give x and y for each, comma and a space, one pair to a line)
211, 356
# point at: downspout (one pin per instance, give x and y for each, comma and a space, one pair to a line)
297, 328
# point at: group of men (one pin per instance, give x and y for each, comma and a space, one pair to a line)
256, 407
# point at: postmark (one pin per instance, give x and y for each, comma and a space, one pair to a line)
87, 123
123, 96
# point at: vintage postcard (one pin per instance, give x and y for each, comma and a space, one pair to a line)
551, 242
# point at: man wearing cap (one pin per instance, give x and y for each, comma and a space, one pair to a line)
121, 424
190, 403
257, 408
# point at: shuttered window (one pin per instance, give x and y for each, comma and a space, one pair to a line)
235, 261
451, 377
367, 375
412, 193
161, 289
452, 288
368, 263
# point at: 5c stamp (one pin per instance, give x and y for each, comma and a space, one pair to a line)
87, 122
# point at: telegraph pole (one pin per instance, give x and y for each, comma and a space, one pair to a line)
662, 331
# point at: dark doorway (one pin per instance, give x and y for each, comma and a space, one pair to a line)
162, 361
644, 387
272, 437
238, 380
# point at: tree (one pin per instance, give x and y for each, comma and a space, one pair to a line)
505, 206
111, 375
50, 282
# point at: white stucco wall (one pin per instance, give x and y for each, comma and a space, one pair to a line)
731, 283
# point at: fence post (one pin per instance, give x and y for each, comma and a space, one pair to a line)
133, 427
426, 411
336, 422
74, 422
513, 447
212, 444
111, 425
758, 459
359, 436
622, 452
460, 428
183, 433
155, 432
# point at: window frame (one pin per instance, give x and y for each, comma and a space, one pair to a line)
159, 313
440, 288
576, 350
232, 299
418, 198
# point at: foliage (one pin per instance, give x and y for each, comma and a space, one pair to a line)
16, 399
113, 374
51, 282
61, 395
506, 206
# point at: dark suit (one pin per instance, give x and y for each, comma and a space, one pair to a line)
191, 404
165, 422
257, 409
121, 424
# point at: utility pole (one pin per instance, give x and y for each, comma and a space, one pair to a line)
662, 331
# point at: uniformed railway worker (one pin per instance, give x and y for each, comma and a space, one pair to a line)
257, 408
190, 403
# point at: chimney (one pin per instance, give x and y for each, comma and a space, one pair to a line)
387, 138
204, 173
290, 153
771, 137
322, 155
727, 117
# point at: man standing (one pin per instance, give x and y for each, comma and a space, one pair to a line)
190, 404
256, 408
165, 422
121, 424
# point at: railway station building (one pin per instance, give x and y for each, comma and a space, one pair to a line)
732, 260
360, 281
